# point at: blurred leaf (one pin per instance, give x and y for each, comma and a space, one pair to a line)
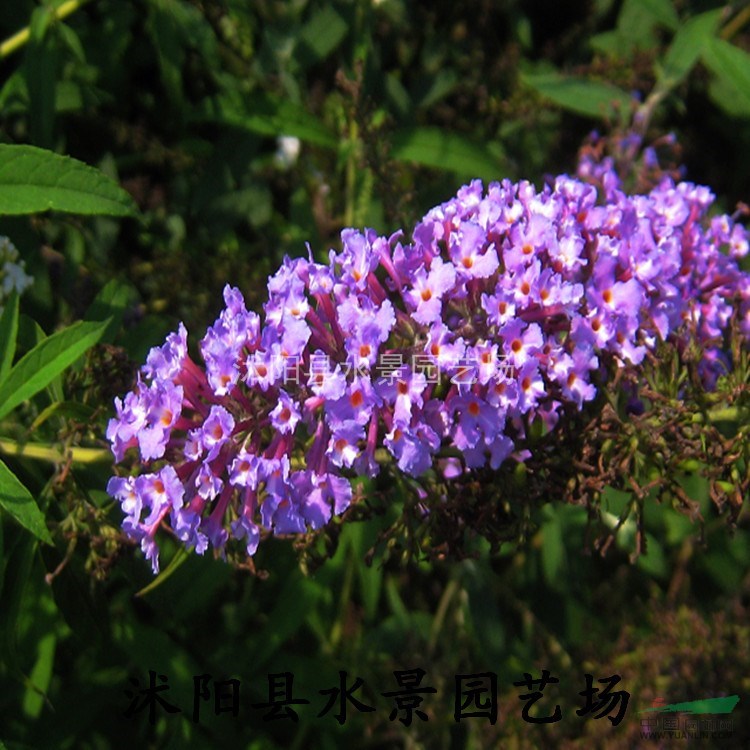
360, 538
320, 36
252, 203
637, 23
293, 605
175, 28
3, 560
441, 149
637, 12
41, 67
654, 562
437, 87
608, 42
579, 95
731, 66
34, 180
21, 559
74, 409
554, 560
18, 502
41, 674
36, 369
268, 115
8, 334
485, 616
687, 46
111, 303
397, 95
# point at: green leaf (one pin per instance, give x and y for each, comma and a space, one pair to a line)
41, 674
321, 35
437, 87
41, 67
111, 303
554, 559
293, 605
175, 28
268, 115
17, 501
638, 21
36, 369
654, 561
8, 334
608, 43
74, 409
34, 180
687, 46
580, 95
649, 12
441, 149
731, 66
3, 560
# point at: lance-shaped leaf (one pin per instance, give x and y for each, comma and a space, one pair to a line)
36, 369
686, 48
267, 115
442, 149
580, 95
8, 334
18, 502
731, 66
34, 180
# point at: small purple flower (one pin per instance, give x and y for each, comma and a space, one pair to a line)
469, 254
425, 298
216, 431
285, 416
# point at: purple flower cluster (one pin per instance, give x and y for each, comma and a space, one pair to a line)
505, 308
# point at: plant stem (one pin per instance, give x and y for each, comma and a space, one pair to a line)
51, 453
19, 39
736, 24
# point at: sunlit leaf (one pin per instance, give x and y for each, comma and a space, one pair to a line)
441, 149
34, 180
731, 66
580, 95
17, 501
41, 674
686, 47
36, 369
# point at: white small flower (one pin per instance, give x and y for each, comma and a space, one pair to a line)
12, 271
287, 151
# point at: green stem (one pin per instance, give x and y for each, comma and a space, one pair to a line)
351, 174
437, 623
55, 455
19, 39
346, 593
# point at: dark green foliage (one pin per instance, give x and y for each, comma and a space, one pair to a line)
625, 549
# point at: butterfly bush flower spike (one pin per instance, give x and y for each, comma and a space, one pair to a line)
507, 307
